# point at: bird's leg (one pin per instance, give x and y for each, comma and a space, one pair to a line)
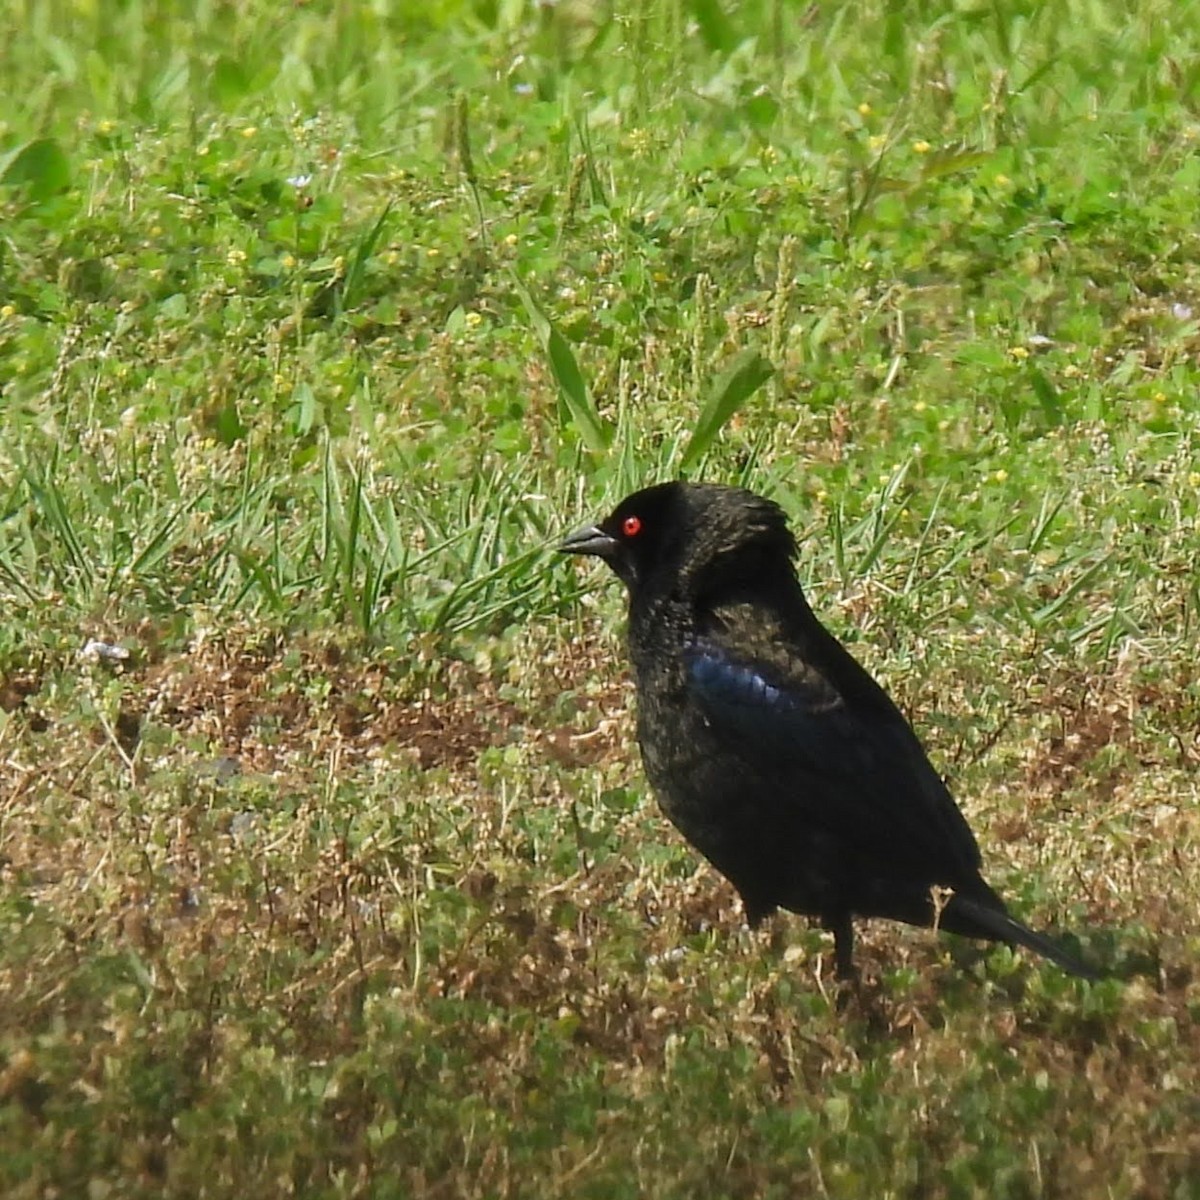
842, 928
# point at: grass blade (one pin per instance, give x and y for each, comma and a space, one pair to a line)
593, 429
733, 387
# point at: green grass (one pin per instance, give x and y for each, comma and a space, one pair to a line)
319, 322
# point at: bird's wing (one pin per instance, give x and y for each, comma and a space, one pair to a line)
859, 773
787, 712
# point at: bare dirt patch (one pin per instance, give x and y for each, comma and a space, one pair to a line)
264, 704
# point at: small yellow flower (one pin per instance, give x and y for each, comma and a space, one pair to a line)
920, 406
822, 496
1194, 479
864, 109
770, 155
249, 131
235, 257
105, 126
392, 257
288, 261
1000, 476
1019, 352
432, 252
511, 239
473, 320
156, 231
921, 147
1002, 180
876, 141
1159, 397
279, 380
7, 311
639, 142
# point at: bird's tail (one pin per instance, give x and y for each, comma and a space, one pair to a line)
996, 923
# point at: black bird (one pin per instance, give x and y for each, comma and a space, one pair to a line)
769, 747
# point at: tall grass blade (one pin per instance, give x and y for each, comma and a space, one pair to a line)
593, 429
732, 388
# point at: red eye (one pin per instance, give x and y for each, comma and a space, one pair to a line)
631, 526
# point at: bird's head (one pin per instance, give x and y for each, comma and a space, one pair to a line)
687, 530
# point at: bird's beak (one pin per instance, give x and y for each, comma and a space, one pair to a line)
591, 539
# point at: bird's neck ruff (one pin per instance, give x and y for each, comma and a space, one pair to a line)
734, 539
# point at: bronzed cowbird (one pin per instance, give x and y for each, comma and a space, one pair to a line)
769, 747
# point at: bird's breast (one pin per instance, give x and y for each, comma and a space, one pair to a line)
692, 774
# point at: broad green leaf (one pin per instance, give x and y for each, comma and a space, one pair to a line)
714, 25
732, 388
596, 432
230, 81
40, 166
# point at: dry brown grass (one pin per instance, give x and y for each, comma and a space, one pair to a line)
418, 898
